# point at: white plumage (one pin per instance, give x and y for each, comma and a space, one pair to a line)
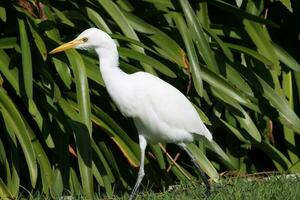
164, 113
160, 112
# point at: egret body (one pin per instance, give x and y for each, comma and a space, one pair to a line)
160, 112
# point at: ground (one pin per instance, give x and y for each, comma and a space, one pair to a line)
246, 187
280, 187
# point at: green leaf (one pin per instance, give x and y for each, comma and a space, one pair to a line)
83, 144
4, 192
199, 36
289, 117
289, 136
159, 156
286, 58
237, 80
146, 59
10, 73
137, 43
93, 72
240, 13
239, 3
83, 127
202, 115
5, 164
74, 183
244, 119
287, 4
220, 43
235, 131
38, 41
84, 152
166, 3
43, 161
26, 59
11, 159
280, 161
127, 146
52, 32
250, 52
97, 19
82, 88
221, 84
248, 124
259, 38
57, 184
2, 13
97, 175
295, 168
8, 43
104, 169
112, 161
166, 44
192, 55
63, 71
63, 17
204, 163
15, 122
203, 15
213, 146
113, 10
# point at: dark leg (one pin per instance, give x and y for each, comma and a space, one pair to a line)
194, 160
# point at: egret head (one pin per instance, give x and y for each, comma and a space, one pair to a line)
90, 38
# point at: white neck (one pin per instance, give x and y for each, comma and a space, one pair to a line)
109, 57
109, 63
114, 78
116, 81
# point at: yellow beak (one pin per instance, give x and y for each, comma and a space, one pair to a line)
66, 46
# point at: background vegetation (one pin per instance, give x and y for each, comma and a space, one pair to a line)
61, 134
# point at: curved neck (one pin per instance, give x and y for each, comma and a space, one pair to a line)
108, 57
109, 64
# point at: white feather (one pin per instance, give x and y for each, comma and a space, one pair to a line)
160, 111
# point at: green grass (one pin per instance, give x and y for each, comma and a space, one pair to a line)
256, 188
230, 188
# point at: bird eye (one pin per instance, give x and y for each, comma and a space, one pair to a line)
85, 39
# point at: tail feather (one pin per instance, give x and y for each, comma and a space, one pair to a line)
205, 133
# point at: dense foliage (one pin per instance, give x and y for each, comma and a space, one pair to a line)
60, 132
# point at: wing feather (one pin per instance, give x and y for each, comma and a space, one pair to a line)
170, 105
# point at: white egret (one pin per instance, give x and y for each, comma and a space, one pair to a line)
160, 112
